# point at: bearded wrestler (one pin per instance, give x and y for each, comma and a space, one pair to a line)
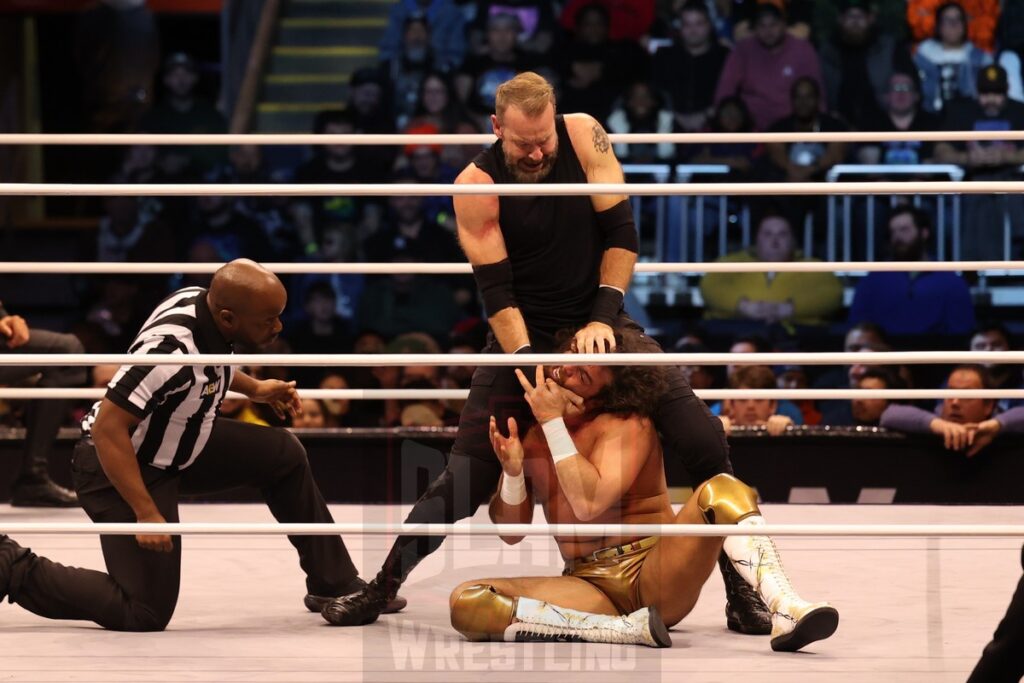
545, 263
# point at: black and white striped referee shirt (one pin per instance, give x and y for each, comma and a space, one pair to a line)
177, 403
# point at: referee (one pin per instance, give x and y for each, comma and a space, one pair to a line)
157, 435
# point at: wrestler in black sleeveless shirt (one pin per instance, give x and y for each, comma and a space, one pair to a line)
554, 244
555, 247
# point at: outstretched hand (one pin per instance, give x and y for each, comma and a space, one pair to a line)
508, 449
282, 397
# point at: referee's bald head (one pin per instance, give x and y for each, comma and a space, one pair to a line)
246, 301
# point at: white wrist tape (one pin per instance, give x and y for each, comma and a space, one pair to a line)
513, 489
559, 441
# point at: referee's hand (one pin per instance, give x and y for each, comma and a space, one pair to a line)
14, 331
282, 397
161, 543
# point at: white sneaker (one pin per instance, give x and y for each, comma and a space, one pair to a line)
797, 624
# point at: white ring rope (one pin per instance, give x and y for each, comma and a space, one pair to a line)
486, 138
591, 530
30, 393
503, 189
837, 267
525, 359
27, 393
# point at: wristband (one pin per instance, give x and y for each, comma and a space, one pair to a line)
607, 305
559, 441
513, 489
528, 370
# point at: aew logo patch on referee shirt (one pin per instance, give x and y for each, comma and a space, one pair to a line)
211, 388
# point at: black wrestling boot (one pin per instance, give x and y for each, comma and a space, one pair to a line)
41, 492
316, 603
745, 611
365, 605
362, 607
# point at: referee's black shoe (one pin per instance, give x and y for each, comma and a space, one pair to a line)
359, 608
316, 603
42, 492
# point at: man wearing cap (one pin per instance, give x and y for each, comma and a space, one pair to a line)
992, 110
181, 110
762, 68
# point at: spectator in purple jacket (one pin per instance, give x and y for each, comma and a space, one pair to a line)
763, 68
913, 302
965, 424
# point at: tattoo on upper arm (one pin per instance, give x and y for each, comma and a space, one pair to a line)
601, 143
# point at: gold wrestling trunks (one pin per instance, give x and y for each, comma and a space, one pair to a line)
615, 572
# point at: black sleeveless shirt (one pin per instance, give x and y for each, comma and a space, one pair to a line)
554, 244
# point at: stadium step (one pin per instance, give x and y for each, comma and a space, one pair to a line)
318, 44
295, 9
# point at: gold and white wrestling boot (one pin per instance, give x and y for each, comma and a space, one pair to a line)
795, 622
483, 613
723, 499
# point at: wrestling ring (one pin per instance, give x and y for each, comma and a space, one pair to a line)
920, 588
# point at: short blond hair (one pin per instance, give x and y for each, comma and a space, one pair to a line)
528, 91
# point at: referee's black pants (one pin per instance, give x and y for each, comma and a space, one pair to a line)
688, 431
140, 590
1002, 661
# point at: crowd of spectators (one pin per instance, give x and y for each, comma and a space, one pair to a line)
640, 66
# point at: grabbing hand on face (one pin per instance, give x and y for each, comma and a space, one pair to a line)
547, 400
